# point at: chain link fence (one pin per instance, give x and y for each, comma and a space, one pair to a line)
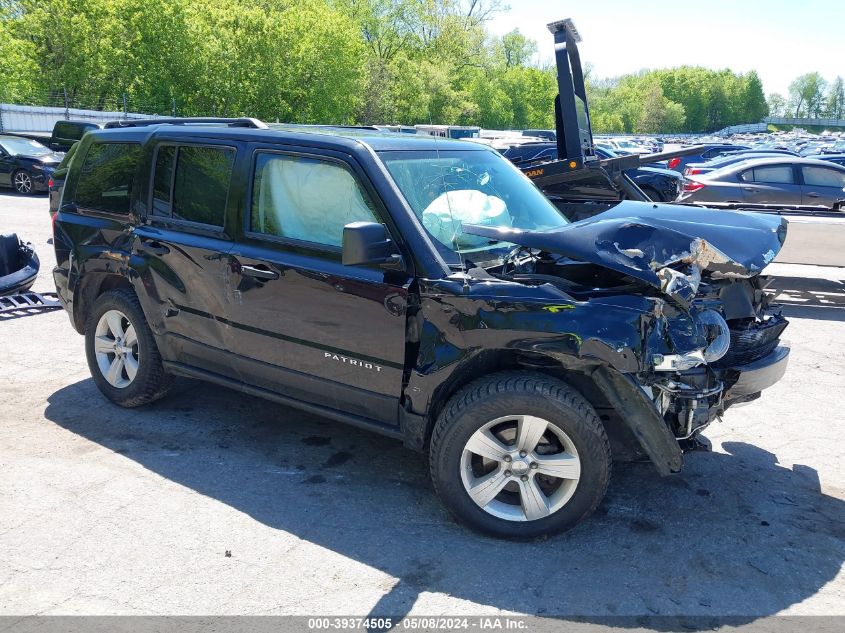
40, 111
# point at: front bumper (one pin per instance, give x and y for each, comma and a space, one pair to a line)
41, 180
760, 374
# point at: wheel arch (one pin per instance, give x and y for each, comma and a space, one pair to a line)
491, 361
94, 284
634, 428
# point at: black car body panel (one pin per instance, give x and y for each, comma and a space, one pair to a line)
56, 183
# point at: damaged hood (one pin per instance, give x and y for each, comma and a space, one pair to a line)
644, 240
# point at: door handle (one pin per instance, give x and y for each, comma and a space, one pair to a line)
259, 272
156, 248
813, 194
749, 188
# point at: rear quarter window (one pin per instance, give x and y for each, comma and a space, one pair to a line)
772, 174
106, 177
823, 177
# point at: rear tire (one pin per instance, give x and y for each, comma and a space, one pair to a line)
490, 476
122, 354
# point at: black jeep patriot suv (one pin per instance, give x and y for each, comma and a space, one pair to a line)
421, 288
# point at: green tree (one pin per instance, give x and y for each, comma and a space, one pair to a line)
517, 49
755, 106
835, 103
777, 104
19, 71
806, 95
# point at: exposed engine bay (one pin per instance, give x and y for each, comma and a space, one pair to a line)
711, 337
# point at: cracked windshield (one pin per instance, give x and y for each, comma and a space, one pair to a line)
451, 188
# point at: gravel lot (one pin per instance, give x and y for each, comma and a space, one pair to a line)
212, 502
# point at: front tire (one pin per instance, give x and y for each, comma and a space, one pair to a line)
22, 182
520, 455
122, 355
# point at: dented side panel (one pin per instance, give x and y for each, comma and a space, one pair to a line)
461, 323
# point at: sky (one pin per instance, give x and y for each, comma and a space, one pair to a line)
780, 39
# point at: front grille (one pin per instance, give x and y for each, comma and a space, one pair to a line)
752, 340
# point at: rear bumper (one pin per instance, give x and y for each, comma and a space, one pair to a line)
760, 374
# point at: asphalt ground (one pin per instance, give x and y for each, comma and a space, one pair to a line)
211, 502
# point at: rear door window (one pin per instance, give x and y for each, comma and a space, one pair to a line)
191, 183
106, 177
773, 174
822, 177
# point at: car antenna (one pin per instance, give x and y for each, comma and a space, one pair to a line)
449, 205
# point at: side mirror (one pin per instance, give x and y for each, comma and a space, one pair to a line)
368, 243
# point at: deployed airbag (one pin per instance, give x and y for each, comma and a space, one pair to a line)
445, 215
307, 199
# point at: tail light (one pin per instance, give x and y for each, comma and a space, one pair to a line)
50, 183
674, 162
692, 185
692, 171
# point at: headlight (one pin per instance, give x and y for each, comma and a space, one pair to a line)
714, 329
717, 333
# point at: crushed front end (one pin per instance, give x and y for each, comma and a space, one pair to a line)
710, 338
725, 350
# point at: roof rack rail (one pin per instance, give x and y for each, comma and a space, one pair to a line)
239, 122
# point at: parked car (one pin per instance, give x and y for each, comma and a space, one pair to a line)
707, 152
544, 134
526, 153
756, 150
661, 185
422, 288
694, 169
56, 183
626, 146
653, 145
66, 133
778, 180
839, 159
25, 165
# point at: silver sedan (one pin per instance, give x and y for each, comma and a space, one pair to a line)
784, 180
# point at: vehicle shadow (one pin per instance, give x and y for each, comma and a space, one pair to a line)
736, 534
811, 298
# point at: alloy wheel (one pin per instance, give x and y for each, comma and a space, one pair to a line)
116, 349
23, 182
520, 468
